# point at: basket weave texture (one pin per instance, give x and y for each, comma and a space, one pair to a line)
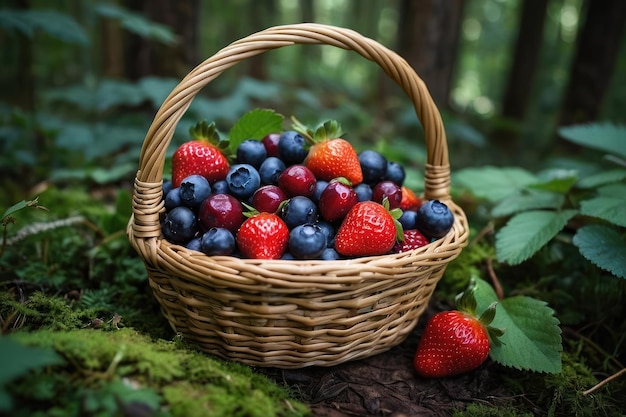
285, 313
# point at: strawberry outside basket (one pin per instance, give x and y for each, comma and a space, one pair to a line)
286, 313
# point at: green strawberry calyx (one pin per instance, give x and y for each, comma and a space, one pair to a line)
395, 213
207, 132
330, 129
466, 303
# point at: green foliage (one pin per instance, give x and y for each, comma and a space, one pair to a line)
136, 23
53, 23
603, 246
605, 137
531, 338
112, 372
255, 124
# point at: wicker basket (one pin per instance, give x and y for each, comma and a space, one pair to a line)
285, 313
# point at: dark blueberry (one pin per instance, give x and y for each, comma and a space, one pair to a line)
220, 187
218, 241
434, 219
271, 169
395, 173
172, 199
251, 152
330, 254
193, 190
167, 187
329, 231
292, 147
307, 241
408, 219
373, 165
320, 186
287, 256
364, 192
243, 180
195, 244
179, 225
299, 210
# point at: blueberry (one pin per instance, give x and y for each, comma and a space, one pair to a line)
193, 190
220, 187
292, 147
364, 192
195, 244
299, 210
243, 180
320, 186
329, 231
373, 165
218, 241
179, 225
330, 254
287, 256
307, 241
434, 219
395, 173
167, 187
251, 152
408, 219
172, 199
271, 169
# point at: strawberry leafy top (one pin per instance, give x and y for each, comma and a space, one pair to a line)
330, 129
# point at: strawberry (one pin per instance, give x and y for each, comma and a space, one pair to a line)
455, 341
413, 239
202, 156
410, 201
330, 156
263, 236
368, 229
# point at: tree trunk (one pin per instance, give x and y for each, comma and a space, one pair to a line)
427, 39
597, 49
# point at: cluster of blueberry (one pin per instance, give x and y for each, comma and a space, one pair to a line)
271, 176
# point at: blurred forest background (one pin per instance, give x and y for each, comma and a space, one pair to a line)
82, 79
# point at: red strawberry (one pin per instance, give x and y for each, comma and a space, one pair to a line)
330, 156
413, 239
263, 236
337, 199
456, 341
368, 229
201, 156
410, 201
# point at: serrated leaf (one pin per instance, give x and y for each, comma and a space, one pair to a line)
527, 232
494, 183
608, 205
330, 129
557, 180
601, 136
602, 178
532, 336
603, 246
255, 124
528, 200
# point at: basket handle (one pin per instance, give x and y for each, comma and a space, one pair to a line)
437, 171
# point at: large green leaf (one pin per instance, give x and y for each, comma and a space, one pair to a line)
255, 124
608, 204
601, 136
494, 183
604, 246
528, 200
56, 24
527, 232
532, 336
602, 178
557, 180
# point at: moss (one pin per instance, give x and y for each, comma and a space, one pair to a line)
114, 370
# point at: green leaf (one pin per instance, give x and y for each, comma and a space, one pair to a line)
528, 200
15, 207
255, 124
494, 183
16, 360
601, 136
58, 25
330, 129
557, 180
527, 232
137, 24
532, 336
604, 246
601, 178
607, 205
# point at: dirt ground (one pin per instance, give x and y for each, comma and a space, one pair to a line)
386, 385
